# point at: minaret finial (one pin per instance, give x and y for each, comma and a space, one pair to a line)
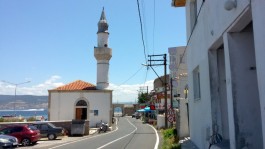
102, 24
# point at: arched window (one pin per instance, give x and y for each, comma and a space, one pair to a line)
81, 103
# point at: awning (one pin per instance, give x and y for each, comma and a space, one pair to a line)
146, 109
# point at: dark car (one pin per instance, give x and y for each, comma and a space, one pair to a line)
25, 134
136, 115
8, 141
49, 130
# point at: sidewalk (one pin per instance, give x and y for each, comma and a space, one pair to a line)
187, 144
92, 131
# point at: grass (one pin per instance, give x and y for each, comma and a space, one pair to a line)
171, 140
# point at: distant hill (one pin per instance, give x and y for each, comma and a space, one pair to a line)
23, 102
7, 102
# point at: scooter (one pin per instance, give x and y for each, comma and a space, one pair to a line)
103, 127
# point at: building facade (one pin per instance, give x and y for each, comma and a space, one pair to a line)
81, 101
225, 51
179, 88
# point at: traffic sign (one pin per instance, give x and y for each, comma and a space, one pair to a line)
170, 111
170, 119
170, 115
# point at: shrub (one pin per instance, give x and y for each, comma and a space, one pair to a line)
170, 139
33, 118
12, 119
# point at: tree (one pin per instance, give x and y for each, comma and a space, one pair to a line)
143, 98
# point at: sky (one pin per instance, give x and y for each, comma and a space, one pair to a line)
51, 43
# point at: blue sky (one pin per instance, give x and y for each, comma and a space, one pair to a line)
51, 43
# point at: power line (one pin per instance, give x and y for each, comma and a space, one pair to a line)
145, 29
191, 34
131, 76
141, 29
154, 25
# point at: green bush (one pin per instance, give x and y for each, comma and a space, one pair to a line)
30, 119
15, 119
170, 139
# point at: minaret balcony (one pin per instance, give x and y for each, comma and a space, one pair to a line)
102, 53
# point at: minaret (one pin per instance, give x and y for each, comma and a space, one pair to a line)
102, 53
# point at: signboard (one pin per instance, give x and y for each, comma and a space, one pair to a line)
152, 107
170, 111
170, 115
142, 106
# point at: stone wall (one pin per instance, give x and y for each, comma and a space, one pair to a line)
128, 111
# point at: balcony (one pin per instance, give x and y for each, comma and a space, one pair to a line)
178, 3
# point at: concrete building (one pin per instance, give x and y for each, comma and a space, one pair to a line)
159, 97
225, 56
179, 86
83, 100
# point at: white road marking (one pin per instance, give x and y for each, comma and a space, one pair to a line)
157, 137
88, 137
120, 137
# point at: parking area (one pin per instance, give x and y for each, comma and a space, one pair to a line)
44, 143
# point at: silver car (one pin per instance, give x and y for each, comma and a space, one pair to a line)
8, 141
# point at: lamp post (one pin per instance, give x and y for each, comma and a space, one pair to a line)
16, 84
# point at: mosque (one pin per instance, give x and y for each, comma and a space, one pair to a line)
82, 100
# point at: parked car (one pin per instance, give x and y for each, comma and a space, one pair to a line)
49, 130
25, 134
8, 141
136, 115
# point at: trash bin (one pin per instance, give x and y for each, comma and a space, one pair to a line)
78, 127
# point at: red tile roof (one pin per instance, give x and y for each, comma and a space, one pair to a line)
77, 85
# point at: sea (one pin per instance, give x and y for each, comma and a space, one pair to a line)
37, 112
25, 113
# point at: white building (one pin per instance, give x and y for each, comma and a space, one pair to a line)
225, 56
83, 100
179, 84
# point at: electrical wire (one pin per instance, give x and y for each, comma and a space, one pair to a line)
131, 76
144, 26
141, 24
154, 24
195, 23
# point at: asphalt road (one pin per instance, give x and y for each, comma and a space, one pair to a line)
130, 133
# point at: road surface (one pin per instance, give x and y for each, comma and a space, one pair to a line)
130, 133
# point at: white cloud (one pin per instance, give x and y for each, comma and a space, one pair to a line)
121, 93
125, 93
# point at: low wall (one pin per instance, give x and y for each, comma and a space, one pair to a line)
64, 124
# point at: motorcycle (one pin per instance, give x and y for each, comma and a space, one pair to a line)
103, 127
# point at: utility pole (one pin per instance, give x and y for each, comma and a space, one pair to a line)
164, 60
15, 84
171, 94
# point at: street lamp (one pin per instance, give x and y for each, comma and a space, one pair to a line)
16, 84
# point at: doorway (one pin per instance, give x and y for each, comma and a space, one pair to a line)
218, 92
81, 109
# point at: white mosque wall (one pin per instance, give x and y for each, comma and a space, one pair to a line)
62, 105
